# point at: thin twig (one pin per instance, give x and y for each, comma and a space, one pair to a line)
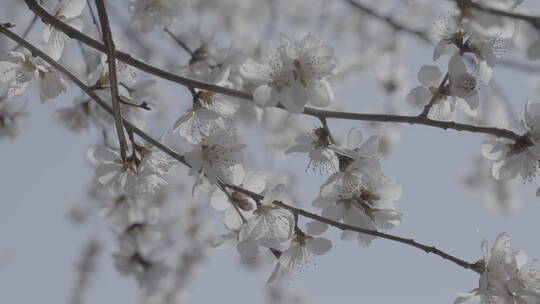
255, 196
94, 19
180, 43
126, 58
327, 129
113, 80
391, 22
435, 96
27, 31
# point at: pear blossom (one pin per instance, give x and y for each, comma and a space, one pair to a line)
356, 161
269, 226
521, 157
293, 74
300, 253
215, 157
317, 144
134, 176
150, 13
237, 206
50, 84
463, 85
370, 206
69, 12
504, 279
17, 70
209, 111
430, 78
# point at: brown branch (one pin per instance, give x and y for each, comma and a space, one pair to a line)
414, 120
466, 4
257, 197
391, 22
411, 242
113, 80
126, 58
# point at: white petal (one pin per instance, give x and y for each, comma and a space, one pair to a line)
262, 95
320, 93
456, 67
494, 149
316, 228
72, 8
429, 75
219, 200
354, 138
319, 245
418, 96
370, 147
51, 85
232, 219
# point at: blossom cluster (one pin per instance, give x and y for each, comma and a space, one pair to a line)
504, 279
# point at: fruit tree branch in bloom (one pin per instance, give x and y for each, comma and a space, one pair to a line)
128, 59
428, 249
113, 80
257, 197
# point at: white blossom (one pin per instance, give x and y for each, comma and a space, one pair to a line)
300, 253
269, 226
69, 12
504, 279
215, 157
293, 74
521, 157
236, 205
209, 111
135, 176
317, 144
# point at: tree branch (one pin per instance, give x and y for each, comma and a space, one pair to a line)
180, 43
126, 58
391, 22
113, 80
411, 242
